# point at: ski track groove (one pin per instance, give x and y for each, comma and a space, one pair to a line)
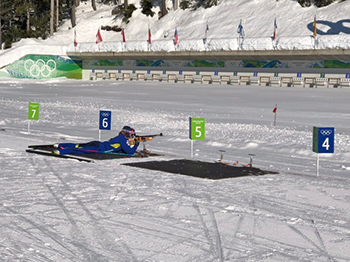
100, 230
76, 233
298, 209
321, 249
321, 240
212, 234
92, 254
53, 236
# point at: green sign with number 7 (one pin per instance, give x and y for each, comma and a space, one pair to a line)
33, 111
197, 128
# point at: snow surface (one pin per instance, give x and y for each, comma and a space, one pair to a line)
64, 210
295, 29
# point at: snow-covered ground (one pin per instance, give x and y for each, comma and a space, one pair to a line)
64, 210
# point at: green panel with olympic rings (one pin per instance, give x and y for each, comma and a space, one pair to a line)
44, 67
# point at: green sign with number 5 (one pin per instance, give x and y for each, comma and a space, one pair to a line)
197, 128
33, 111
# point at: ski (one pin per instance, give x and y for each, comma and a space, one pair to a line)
49, 153
51, 147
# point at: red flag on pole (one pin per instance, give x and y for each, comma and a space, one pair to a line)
123, 34
275, 112
75, 38
98, 37
149, 36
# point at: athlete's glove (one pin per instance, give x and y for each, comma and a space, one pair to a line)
133, 142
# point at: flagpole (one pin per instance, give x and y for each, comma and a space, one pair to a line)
176, 38
240, 31
315, 33
275, 111
124, 39
274, 38
149, 38
239, 37
206, 34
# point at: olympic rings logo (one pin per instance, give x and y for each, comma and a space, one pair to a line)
105, 114
40, 67
326, 132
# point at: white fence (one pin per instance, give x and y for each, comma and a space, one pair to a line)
233, 44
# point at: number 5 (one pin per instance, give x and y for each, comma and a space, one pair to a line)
198, 131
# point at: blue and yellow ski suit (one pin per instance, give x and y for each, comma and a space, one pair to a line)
118, 144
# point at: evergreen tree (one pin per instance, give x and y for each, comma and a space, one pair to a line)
146, 6
164, 11
318, 3
195, 4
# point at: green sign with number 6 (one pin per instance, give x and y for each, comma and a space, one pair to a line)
197, 128
33, 111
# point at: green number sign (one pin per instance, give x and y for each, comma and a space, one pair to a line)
197, 128
33, 111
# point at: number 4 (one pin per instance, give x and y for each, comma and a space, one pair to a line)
326, 143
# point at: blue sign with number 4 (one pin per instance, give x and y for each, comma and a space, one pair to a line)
105, 120
323, 140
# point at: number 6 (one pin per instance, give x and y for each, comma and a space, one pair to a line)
105, 122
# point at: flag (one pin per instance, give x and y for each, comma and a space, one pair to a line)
75, 38
240, 29
275, 116
149, 36
206, 34
176, 37
315, 27
98, 37
274, 30
123, 34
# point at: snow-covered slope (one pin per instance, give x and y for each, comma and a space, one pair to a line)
294, 24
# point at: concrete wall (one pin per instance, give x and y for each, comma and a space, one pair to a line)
309, 73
